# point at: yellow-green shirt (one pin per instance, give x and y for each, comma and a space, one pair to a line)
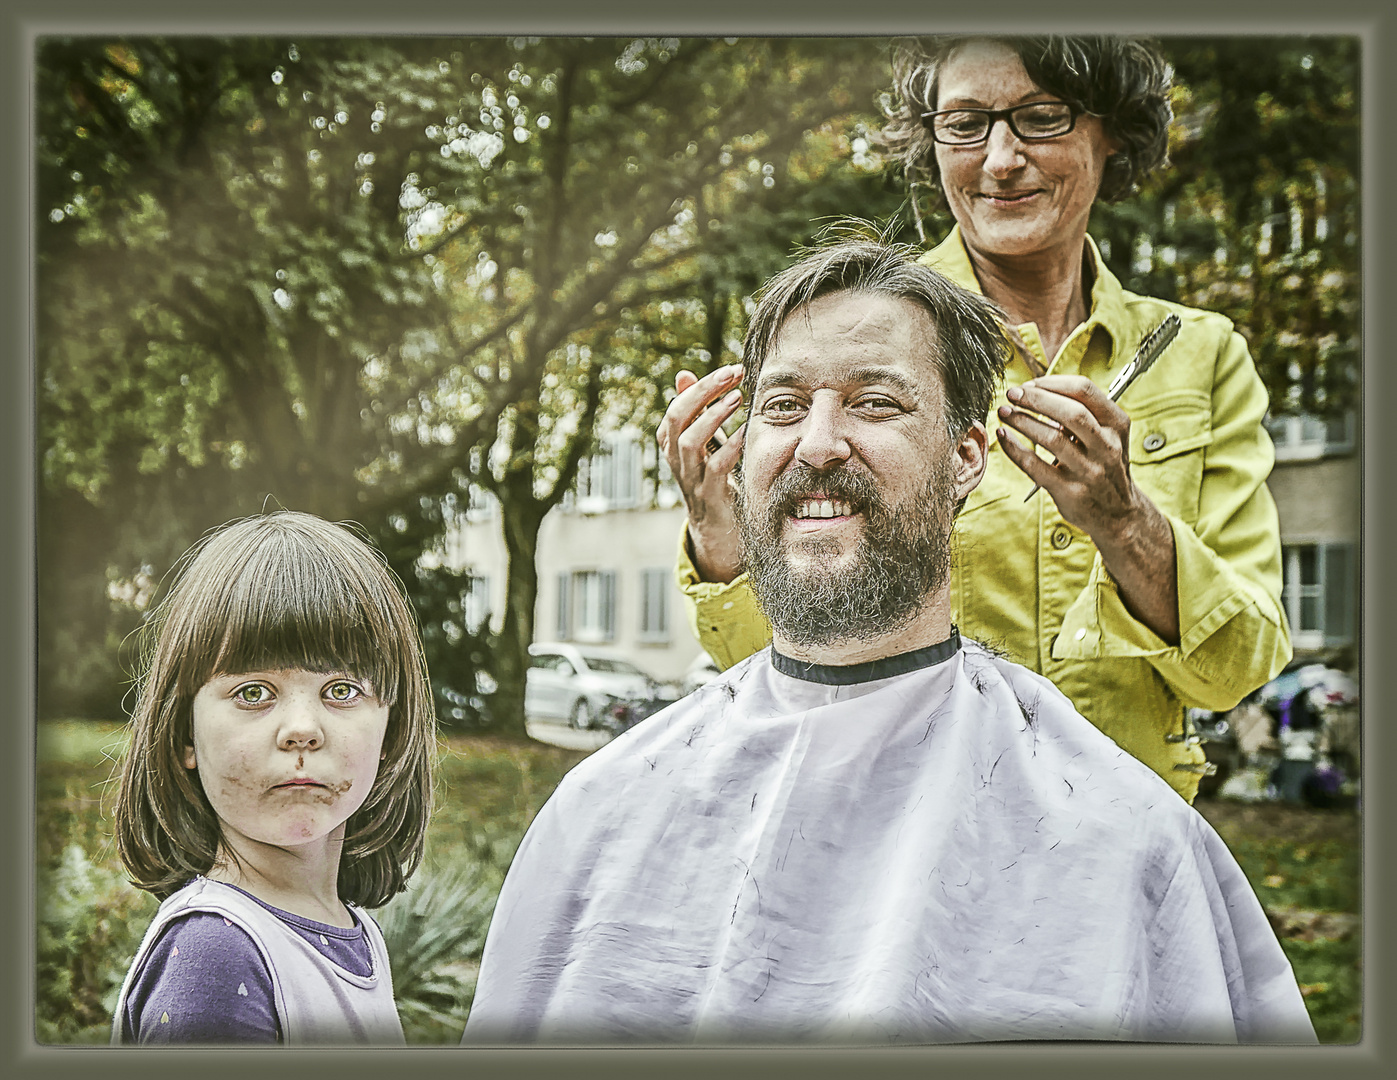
1027, 583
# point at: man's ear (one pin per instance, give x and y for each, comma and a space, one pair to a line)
968, 460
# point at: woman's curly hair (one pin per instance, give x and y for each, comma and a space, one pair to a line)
1124, 81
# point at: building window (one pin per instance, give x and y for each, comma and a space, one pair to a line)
1300, 437
654, 618
587, 606
480, 503
611, 478
476, 611
1319, 593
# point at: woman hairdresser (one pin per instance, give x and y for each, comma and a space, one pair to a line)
1143, 577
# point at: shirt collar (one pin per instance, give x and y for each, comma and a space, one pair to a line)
886, 668
950, 259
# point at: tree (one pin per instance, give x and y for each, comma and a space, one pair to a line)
1257, 217
647, 173
359, 276
324, 272
215, 263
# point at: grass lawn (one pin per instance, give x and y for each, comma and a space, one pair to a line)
1304, 864
1307, 869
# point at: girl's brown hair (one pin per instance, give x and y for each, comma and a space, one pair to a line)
281, 590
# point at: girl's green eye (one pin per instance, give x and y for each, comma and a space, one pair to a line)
252, 695
342, 691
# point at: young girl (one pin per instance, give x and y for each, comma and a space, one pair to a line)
278, 781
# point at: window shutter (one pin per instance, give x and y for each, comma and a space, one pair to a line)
564, 615
604, 473
608, 604
1340, 595
654, 625
629, 469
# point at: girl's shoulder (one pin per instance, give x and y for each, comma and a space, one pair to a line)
203, 979
349, 948
219, 965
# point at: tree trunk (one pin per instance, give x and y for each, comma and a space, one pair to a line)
521, 525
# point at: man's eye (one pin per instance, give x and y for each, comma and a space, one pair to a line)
781, 407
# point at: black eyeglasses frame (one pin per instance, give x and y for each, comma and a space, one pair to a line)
1007, 115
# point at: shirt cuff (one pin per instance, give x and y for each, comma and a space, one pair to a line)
723, 616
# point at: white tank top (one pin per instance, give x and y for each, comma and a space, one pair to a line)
317, 1001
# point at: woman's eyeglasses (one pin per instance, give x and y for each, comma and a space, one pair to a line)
1036, 120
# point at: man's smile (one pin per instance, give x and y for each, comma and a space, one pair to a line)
822, 508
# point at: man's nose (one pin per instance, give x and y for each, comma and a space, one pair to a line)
823, 435
1003, 149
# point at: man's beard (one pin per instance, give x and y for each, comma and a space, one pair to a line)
902, 557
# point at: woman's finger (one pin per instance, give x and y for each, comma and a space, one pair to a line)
697, 439
1076, 403
1043, 473
691, 405
1054, 438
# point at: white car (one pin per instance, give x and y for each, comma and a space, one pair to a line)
582, 684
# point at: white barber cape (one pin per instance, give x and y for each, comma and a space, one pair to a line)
935, 847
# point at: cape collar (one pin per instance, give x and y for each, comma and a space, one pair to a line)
886, 668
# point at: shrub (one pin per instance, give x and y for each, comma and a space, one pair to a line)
435, 932
90, 923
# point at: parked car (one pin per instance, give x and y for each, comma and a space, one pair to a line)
585, 685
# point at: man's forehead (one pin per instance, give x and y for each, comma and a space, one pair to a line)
861, 332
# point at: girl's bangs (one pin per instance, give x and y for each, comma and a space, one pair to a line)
298, 602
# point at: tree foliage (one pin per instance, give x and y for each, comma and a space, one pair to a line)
1258, 214
359, 276
325, 272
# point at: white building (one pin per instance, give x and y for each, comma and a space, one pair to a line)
605, 561
1317, 484
606, 555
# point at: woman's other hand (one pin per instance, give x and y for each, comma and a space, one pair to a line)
1089, 436
701, 462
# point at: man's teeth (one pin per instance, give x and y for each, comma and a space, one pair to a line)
823, 508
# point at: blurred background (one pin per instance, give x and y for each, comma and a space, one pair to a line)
440, 287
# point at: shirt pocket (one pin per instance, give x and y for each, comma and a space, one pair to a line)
1169, 434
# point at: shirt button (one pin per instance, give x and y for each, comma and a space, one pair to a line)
1153, 441
1081, 633
1061, 538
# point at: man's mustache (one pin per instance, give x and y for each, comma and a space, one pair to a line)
846, 483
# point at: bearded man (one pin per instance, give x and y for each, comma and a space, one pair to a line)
872, 830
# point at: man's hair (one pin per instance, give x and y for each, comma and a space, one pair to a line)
969, 343
281, 590
1124, 81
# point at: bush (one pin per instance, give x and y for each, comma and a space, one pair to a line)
435, 932
90, 923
